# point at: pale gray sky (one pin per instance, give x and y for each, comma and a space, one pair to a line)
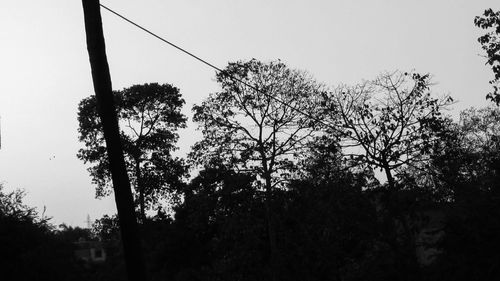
44, 67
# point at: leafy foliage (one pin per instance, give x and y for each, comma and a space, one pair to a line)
149, 117
467, 160
490, 42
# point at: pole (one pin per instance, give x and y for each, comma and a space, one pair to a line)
105, 106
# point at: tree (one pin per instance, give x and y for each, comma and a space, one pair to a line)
467, 169
467, 160
257, 123
30, 248
490, 42
393, 119
12, 206
149, 116
106, 228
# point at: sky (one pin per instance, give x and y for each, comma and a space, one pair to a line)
44, 68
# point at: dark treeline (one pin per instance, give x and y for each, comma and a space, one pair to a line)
292, 180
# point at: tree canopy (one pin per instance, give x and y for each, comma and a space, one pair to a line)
392, 119
257, 121
149, 117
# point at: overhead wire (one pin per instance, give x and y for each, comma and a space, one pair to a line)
162, 39
215, 67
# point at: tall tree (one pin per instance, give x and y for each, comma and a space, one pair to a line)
389, 122
491, 44
149, 117
257, 123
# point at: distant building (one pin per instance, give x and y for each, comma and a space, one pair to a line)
90, 251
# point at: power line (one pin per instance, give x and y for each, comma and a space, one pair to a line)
214, 67
162, 39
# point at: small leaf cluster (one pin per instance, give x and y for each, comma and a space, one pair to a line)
490, 43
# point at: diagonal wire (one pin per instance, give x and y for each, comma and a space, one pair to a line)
217, 68
162, 39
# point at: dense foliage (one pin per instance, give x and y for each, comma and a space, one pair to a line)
31, 248
149, 117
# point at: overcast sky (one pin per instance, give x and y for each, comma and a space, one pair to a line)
45, 71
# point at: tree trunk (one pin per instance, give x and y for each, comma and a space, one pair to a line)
388, 174
105, 105
271, 231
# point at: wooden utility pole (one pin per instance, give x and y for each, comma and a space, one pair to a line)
106, 108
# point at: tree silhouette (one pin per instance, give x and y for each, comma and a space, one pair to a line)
393, 119
251, 126
467, 160
491, 44
149, 116
31, 249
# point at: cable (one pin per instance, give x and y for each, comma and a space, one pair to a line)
215, 67
162, 39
